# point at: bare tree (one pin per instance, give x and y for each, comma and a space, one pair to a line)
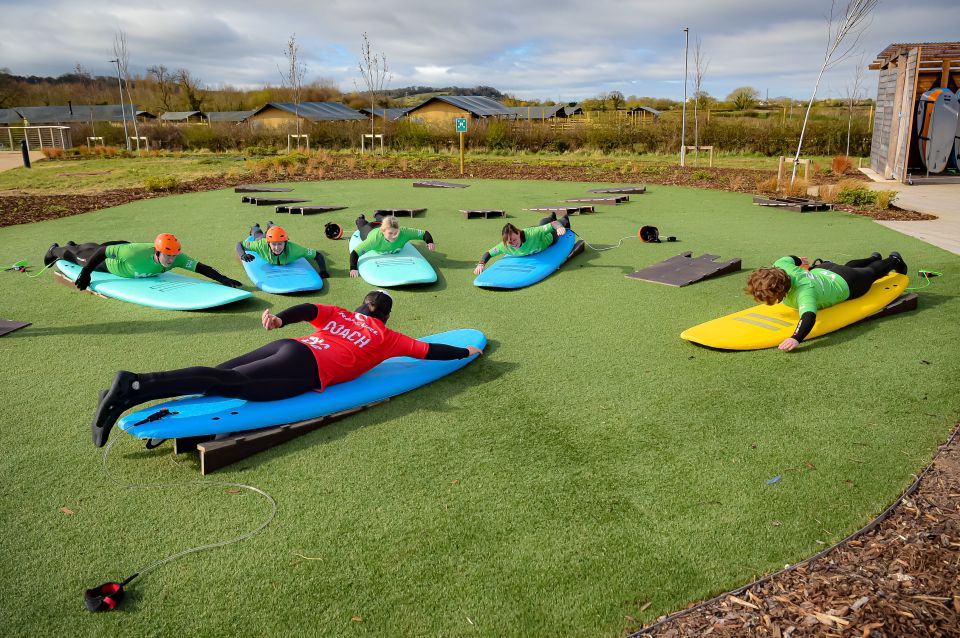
293, 77
375, 74
166, 83
123, 55
853, 94
191, 89
616, 99
851, 23
700, 66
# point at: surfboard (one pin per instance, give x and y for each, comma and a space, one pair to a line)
937, 115
293, 277
167, 291
956, 140
519, 272
767, 326
204, 415
402, 268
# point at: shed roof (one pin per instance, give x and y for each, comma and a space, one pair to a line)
536, 112
316, 111
76, 113
392, 114
646, 109
477, 105
228, 116
10, 116
932, 51
180, 116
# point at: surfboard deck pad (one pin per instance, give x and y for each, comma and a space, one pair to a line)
683, 270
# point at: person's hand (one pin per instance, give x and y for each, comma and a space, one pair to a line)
270, 322
789, 344
478, 269
431, 246
83, 280
247, 257
474, 350
354, 273
561, 229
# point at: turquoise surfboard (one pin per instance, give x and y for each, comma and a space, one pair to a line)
297, 276
402, 268
519, 272
937, 115
204, 415
168, 291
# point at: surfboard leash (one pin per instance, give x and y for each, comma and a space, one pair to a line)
926, 275
107, 596
600, 250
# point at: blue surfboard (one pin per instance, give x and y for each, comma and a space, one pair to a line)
519, 272
402, 268
280, 280
205, 415
167, 291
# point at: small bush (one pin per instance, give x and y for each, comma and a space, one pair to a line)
884, 198
768, 185
52, 153
161, 183
858, 196
797, 189
701, 174
828, 193
259, 151
841, 164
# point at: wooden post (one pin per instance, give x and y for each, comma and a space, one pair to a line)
780, 170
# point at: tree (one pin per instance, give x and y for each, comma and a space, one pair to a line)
700, 65
9, 91
616, 99
375, 74
743, 97
855, 18
191, 89
853, 93
123, 56
166, 84
293, 77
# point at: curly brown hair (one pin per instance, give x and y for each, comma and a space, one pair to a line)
768, 285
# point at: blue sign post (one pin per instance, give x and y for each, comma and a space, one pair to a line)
461, 129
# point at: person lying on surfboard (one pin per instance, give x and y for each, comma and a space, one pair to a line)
123, 259
810, 288
276, 248
388, 238
528, 241
344, 345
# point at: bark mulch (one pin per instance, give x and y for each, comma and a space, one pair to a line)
24, 208
899, 576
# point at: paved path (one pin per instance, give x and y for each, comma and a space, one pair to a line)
942, 200
10, 160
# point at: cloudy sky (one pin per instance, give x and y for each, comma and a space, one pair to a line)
548, 49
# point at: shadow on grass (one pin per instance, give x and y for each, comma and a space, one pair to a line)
178, 326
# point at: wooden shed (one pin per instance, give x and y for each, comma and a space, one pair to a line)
906, 72
443, 110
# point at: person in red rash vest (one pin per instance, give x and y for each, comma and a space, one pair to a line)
344, 345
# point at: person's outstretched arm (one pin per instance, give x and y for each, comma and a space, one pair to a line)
83, 279
293, 314
443, 352
242, 254
321, 265
483, 262
428, 238
804, 326
212, 273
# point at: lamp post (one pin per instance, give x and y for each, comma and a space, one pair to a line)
683, 127
123, 111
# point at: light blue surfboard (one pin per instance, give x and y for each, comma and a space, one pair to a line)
519, 272
167, 291
203, 415
280, 280
402, 268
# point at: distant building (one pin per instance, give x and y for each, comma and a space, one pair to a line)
537, 112
444, 109
278, 114
391, 114
184, 117
228, 117
74, 114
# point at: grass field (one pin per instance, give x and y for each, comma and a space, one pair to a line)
589, 464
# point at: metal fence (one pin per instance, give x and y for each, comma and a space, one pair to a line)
38, 137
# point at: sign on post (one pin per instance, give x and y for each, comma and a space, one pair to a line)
461, 125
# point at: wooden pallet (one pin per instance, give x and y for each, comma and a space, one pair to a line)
8, 325
796, 204
683, 269
563, 210
252, 188
482, 213
400, 212
903, 303
434, 184
215, 455
625, 190
271, 201
307, 210
619, 199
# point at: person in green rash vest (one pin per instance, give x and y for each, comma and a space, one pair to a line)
529, 241
132, 260
388, 238
808, 289
275, 247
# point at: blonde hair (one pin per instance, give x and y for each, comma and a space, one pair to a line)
390, 222
507, 230
768, 285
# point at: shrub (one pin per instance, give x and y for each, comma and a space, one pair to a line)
797, 189
841, 164
161, 183
767, 185
884, 198
701, 174
259, 151
858, 196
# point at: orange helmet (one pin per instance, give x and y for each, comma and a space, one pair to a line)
167, 244
276, 233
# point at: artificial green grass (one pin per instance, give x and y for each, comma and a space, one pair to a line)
589, 463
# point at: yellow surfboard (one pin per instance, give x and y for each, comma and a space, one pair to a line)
767, 326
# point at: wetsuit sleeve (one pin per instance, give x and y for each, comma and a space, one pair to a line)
485, 258
553, 234
427, 237
95, 260
443, 352
354, 260
213, 273
240, 251
805, 325
298, 313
